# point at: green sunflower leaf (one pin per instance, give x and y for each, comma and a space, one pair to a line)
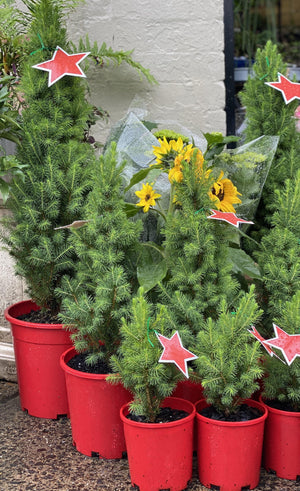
152, 267
243, 264
142, 174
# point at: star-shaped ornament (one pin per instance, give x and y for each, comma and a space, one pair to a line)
62, 64
227, 217
174, 352
263, 341
289, 344
290, 90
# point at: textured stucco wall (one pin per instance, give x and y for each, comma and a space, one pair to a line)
180, 42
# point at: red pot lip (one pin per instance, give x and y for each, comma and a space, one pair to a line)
288, 414
189, 407
68, 355
13, 320
252, 422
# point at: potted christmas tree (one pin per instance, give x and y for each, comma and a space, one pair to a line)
230, 425
158, 428
57, 180
266, 114
94, 302
280, 291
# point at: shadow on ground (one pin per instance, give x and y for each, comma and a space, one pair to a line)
37, 454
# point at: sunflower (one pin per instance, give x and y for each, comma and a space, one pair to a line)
167, 151
147, 197
224, 194
175, 173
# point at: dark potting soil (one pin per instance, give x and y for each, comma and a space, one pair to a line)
78, 362
243, 413
165, 415
282, 405
39, 317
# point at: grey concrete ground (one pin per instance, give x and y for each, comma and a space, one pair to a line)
37, 454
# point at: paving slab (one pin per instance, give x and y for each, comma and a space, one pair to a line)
37, 454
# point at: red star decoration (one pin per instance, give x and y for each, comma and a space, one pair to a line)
258, 336
174, 352
289, 344
227, 217
62, 64
290, 90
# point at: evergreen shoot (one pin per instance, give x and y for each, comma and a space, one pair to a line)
228, 361
282, 382
58, 163
278, 256
197, 253
137, 362
100, 294
267, 114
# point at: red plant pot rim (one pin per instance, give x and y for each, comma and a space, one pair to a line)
67, 356
190, 407
18, 322
251, 422
288, 414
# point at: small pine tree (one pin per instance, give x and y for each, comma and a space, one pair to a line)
98, 297
57, 176
282, 382
278, 257
267, 114
137, 362
196, 248
228, 359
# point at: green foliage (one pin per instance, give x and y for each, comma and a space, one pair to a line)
137, 361
196, 251
98, 297
267, 114
283, 381
228, 359
105, 53
278, 257
170, 135
58, 164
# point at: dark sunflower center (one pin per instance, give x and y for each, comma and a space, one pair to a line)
219, 193
147, 197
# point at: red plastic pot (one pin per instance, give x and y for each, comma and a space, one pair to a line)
160, 454
37, 349
281, 451
229, 453
95, 404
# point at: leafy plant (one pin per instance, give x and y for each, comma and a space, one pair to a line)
137, 364
228, 361
95, 300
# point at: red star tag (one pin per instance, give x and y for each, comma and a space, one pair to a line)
290, 90
289, 344
62, 64
174, 352
256, 334
227, 217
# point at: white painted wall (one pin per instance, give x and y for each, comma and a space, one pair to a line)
182, 44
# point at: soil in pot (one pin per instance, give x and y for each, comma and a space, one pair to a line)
78, 362
243, 413
39, 317
282, 405
165, 415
